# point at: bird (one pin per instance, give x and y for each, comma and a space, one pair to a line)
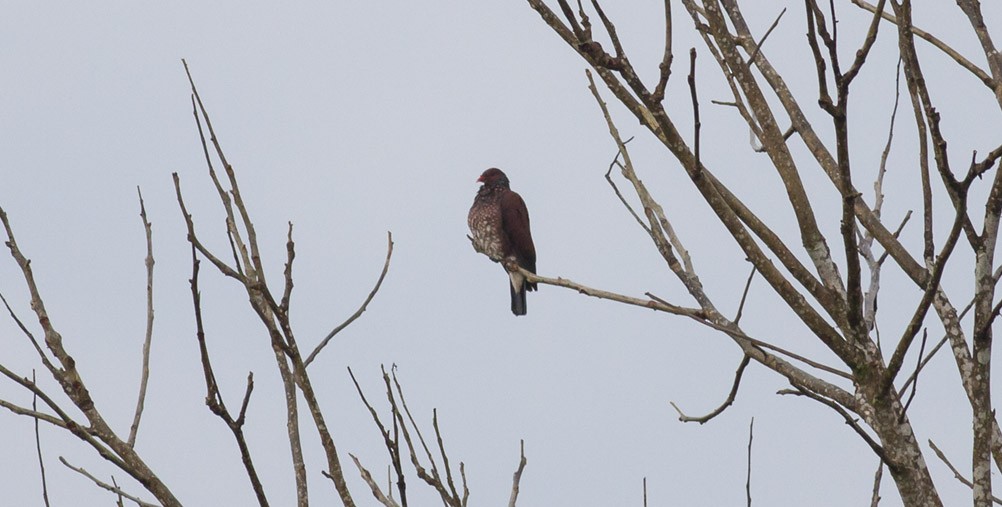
499, 223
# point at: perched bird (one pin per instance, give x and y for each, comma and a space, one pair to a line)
499, 222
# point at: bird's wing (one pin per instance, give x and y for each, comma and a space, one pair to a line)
515, 223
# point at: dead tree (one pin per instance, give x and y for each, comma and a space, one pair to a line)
870, 388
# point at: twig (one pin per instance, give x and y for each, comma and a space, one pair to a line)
517, 476
445, 456
956, 473
38, 445
728, 402
849, 420
997, 276
119, 499
358, 313
433, 479
665, 67
392, 443
104, 485
875, 498
145, 376
744, 296
367, 477
751, 434
615, 188
41, 352
645, 491
936, 42
695, 108
865, 245
758, 46
918, 366
765, 345
63, 420
213, 398
290, 248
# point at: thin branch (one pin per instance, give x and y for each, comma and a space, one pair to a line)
865, 245
433, 479
956, 473
367, 477
997, 276
849, 420
38, 445
871, 37
744, 296
615, 188
41, 352
875, 497
63, 420
392, 444
290, 248
103, 485
665, 67
751, 434
358, 313
517, 476
445, 456
119, 499
936, 42
894, 365
728, 402
601, 294
695, 108
764, 345
918, 367
758, 45
145, 376
214, 399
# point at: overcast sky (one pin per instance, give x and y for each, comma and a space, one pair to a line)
351, 119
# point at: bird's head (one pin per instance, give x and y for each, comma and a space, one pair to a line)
493, 176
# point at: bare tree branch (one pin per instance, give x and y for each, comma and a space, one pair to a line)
744, 296
103, 485
956, 473
517, 476
367, 477
392, 444
849, 420
665, 67
38, 445
214, 399
875, 497
98, 434
730, 398
608, 178
751, 434
936, 42
758, 45
145, 375
358, 313
273, 315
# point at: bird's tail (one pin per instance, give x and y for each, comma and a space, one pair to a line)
517, 299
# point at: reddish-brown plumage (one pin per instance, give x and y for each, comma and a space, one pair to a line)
499, 223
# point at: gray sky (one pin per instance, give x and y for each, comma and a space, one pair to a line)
353, 118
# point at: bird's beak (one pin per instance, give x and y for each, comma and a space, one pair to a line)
480, 179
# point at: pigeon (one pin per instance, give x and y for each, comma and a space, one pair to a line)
499, 222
